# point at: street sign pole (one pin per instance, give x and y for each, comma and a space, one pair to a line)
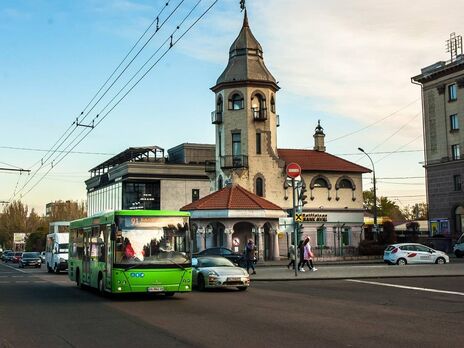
295, 231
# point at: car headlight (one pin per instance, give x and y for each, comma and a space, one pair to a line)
213, 273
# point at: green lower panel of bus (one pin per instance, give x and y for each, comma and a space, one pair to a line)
161, 280
152, 280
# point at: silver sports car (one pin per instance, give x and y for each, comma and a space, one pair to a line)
218, 272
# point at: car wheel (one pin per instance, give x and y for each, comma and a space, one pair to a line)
401, 262
242, 288
458, 253
201, 283
440, 261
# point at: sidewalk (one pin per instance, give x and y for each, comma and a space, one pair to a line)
331, 260
375, 268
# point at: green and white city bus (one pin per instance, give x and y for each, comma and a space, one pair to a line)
128, 251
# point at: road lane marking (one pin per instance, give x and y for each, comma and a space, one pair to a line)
407, 287
16, 269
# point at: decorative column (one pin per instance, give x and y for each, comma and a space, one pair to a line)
201, 243
259, 231
275, 249
228, 232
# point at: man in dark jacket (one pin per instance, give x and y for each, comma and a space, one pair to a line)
250, 256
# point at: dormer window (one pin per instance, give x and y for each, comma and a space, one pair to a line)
236, 102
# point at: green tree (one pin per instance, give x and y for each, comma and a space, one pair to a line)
385, 207
419, 211
67, 211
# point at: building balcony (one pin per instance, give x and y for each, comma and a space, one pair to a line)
210, 166
216, 117
237, 161
259, 114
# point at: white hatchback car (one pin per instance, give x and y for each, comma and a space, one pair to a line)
404, 253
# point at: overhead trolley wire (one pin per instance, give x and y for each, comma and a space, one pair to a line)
76, 122
172, 44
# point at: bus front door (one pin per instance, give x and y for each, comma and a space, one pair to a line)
86, 259
108, 258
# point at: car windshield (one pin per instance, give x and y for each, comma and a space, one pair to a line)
214, 262
30, 255
63, 248
152, 240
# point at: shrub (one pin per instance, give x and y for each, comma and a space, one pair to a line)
371, 247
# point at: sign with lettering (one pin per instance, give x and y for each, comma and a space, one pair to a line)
314, 217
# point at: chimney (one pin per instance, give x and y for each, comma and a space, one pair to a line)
319, 138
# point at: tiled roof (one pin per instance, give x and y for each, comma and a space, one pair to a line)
312, 160
231, 197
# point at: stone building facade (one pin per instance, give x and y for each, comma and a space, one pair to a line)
247, 156
442, 90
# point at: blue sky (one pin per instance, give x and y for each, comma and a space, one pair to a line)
347, 63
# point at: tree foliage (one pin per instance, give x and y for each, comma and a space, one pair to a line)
385, 207
67, 211
418, 211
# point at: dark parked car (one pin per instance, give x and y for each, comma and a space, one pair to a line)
30, 259
8, 256
4, 254
17, 257
230, 255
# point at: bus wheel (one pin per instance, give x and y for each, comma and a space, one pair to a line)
78, 279
101, 286
201, 283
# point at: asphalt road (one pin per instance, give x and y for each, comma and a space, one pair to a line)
38, 309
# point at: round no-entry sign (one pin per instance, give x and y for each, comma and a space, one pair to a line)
293, 170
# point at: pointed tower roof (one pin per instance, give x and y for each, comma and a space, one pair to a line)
246, 62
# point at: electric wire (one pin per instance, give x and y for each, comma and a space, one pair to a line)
373, 123
45, 150
117, 78
172, 44
43, 163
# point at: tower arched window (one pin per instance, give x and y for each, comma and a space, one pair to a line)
258, 107
220, 183
236, 102
273, 105
259, 187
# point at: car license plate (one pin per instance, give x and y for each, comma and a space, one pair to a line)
233, 279
155, 289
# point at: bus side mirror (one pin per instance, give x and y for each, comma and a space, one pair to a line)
113, 232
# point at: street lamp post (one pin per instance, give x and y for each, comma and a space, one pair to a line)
375, 191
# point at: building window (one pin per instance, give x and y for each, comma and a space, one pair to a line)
457, 182
454, 123
236, 102
236, 145
455, 152
345, 183
346, 236
258, 143
259, 187
258, 107
320, 183
220, 183
321, 236
219, 105
272, 105
452, 92
195, 195
220, 143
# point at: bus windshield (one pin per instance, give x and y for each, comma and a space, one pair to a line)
151, 240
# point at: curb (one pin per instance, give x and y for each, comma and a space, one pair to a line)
355, 277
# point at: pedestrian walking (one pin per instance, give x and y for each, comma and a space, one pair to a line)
250, 256
292, 257
308, 255
301, 255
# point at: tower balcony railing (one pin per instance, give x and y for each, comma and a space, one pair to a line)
216, 117
234, 161
259, 114
210, 166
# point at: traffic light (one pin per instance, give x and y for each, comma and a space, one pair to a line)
302, 196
